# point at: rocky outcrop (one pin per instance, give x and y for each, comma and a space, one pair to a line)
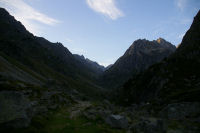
117, 121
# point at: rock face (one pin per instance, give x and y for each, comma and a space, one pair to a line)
139, 56
117, 121
175, 79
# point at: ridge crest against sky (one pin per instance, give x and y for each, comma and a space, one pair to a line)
102, 30
27, 14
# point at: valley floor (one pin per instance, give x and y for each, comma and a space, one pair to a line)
67, 120
104, 117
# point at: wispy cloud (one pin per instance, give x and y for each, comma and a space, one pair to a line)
27, 14
106, 7
181, 4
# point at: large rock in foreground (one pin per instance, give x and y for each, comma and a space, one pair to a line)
14, 108
117, 121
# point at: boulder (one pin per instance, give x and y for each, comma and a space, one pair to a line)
149, 125
117, 121
91, 114
14, 109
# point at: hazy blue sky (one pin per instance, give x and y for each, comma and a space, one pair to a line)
102, 30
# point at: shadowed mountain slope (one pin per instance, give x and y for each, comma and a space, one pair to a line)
139, 56
51, 61
94, 66
174, 79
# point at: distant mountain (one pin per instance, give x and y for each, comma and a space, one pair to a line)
94, 66
139, 56
42, 59
175, 79
109, 66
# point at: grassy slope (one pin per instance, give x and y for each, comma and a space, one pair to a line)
44, 73
59, 122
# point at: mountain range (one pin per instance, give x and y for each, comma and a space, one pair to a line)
51, 61
35, 60
43, 83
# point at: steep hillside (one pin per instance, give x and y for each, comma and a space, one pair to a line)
52, 61
175, 79
139, 56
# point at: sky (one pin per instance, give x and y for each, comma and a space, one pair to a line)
102, 30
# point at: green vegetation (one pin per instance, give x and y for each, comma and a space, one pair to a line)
59, 122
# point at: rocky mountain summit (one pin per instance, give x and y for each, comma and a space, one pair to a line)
139, 56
